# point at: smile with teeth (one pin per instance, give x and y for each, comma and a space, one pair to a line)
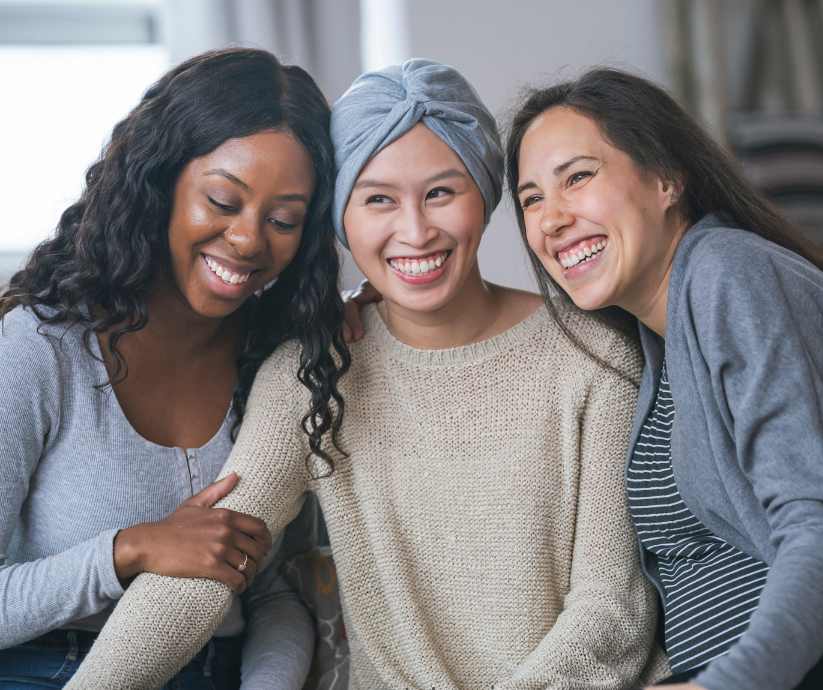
419, 265
227, 276
580, 253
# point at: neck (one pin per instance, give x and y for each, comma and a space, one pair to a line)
651, 300
181, 332
466, 319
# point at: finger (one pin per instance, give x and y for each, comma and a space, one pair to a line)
347, 334
366, 294
214, 492
256, 550
351, 316
247, 524
230, 576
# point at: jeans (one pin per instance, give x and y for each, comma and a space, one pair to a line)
51, 660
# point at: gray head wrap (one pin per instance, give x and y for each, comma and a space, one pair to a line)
382, 106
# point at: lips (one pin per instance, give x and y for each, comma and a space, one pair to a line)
419, 265
581, 251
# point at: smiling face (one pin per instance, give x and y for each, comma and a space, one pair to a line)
604, 229
237, 219
414, 222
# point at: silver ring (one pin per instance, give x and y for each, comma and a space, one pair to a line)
242, 566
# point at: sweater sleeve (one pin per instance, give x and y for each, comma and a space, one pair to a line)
758, 319
43, 594
162, 622
604, 637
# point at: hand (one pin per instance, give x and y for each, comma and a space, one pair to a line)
678, 686
196, 540
353, 301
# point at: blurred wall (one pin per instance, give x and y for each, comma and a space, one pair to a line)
503, 48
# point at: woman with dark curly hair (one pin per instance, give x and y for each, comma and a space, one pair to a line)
130, 341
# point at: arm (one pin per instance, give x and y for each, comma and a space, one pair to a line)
161, 622
604, 637
759, 324
44, 594
280, 636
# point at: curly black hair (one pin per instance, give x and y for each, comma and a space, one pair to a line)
98, 268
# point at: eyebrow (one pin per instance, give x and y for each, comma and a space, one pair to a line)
236, 180
557, 171
446, 174
231, 178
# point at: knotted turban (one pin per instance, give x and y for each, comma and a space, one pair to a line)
382, 106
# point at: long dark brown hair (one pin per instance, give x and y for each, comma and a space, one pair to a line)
643, 121
98, 269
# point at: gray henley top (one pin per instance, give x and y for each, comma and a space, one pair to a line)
73, 471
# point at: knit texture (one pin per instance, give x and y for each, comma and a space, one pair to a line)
479, 523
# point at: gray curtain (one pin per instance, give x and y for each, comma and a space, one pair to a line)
323, 36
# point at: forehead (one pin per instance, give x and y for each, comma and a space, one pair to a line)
418, 153
270, 157
559, 133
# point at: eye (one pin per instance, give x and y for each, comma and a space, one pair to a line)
226, 208
577, 177
439, 193
378, 199
529, 200
282, 225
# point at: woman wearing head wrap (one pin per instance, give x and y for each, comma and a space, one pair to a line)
477, 519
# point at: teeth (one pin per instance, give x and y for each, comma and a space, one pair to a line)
227, 276
417, 266
567, 260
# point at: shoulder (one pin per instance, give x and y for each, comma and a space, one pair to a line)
277, 383
734, 266
281, 367
24, 338
596, 340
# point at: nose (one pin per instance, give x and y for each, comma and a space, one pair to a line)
414, 228
246, 235
554, 217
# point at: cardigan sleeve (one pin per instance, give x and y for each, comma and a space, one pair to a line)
162, 622
757, 315
604, 637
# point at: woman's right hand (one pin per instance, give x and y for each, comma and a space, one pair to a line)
353, 302
196, 540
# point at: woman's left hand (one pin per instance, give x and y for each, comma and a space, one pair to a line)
353, 301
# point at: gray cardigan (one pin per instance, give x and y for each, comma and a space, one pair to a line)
744, 350
73, 471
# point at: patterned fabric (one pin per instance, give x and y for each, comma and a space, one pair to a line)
313, 576
711, 588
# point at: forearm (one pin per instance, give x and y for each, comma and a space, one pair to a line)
159, 624
49, 593
785, 635
602, 640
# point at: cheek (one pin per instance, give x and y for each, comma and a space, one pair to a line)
534, 236
284, 249
366, 234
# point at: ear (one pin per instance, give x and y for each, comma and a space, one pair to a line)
670, 192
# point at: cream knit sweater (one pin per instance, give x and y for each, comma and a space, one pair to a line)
479, 524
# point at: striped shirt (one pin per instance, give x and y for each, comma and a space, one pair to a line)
710, 588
